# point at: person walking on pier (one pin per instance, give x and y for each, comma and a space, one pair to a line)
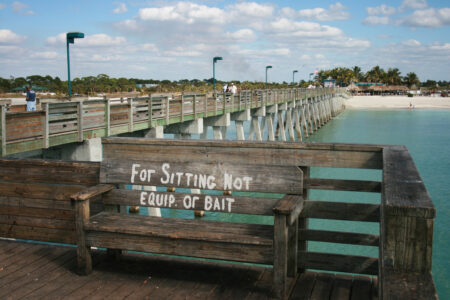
233, 89
31, 99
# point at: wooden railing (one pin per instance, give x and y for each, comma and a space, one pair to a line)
74, 121
35, 204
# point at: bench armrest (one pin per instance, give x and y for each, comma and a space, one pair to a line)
290, 205
92, 192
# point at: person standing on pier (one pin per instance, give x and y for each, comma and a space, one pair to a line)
233, 89
31, 99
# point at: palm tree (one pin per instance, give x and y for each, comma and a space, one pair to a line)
412, 79
393, 76
357, 74
376, 74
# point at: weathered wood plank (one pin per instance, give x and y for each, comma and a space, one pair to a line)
37, 222
38, 234
341, 211
37, 212
338, 262
246, 152
46, 171
408, 285
322, 287
39, 191
404, 193
240, 204
174, 228
342, 287
339, 237
193, 174
215, 250
304, 286
362, 288
343, 185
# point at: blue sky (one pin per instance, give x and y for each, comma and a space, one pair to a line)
177, 39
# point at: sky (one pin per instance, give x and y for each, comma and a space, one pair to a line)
178, 39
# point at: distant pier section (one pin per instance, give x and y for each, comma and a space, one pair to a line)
285, 114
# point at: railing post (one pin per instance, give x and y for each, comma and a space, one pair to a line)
3, 124
130, 114
150, 111
80, 121
45, 121
182, 108
167, 111
224, 103
205, 114
107, 117
194, 106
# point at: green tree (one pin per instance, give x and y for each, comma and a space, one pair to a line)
411, 80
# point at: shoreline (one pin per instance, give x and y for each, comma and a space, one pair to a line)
397, 102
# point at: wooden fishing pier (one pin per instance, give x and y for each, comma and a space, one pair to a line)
82, 204
298, 113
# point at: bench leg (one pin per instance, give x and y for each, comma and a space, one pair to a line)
292, 250
84, 260
280, 256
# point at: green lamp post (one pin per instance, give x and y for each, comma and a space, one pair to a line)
267, 67
293, 76
70, 39
214, 70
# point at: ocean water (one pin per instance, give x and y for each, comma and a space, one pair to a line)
426, 133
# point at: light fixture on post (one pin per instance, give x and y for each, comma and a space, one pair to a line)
214, 70
267, 67
70, 39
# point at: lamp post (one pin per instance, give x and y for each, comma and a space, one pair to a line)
293, 76
267, 67
70, 39
214, 70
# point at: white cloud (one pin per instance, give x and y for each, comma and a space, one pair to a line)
121, 8
21, 8
335, 12
376, 20
413, 4
184, 12
45, 55
54, 40
383, 9
2, 6
251, 9
429, 17
411, 43
9, 37
244, 35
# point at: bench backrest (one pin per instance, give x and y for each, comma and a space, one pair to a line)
143, 163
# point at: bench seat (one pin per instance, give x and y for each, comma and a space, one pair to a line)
190, 229
210, 239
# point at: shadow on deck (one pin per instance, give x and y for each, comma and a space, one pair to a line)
35, 271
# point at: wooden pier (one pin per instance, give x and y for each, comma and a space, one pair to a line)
35, 204
299, 112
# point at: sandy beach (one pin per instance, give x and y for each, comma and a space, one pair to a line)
389, 102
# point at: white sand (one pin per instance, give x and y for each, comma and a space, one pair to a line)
388, 102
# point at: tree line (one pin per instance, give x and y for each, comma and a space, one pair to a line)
102, 83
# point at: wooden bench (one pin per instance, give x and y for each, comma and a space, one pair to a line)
267, 190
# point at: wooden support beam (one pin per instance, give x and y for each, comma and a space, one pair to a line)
167, 110
130, 115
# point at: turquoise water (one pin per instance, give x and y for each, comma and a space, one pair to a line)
426, 134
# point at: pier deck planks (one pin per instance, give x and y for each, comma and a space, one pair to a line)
47, 271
